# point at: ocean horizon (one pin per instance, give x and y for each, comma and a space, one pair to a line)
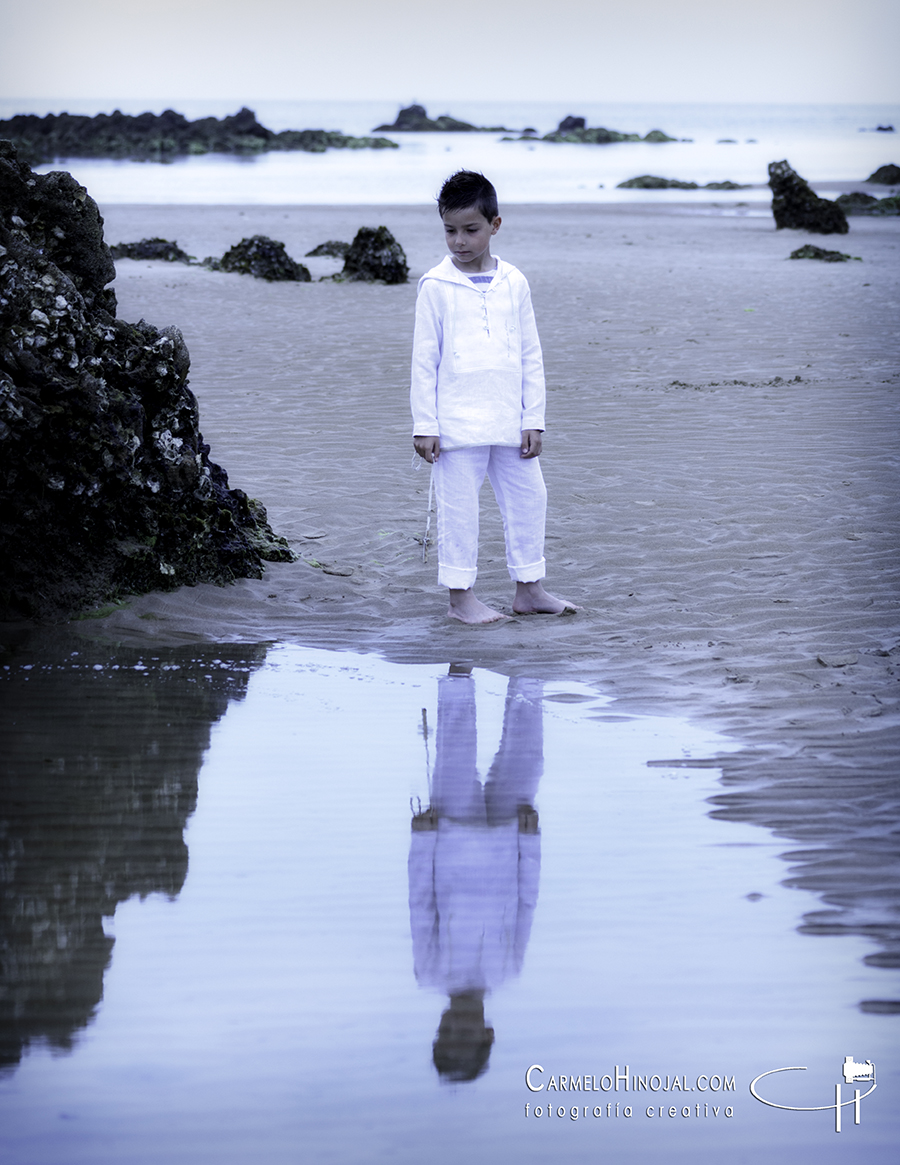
826, 144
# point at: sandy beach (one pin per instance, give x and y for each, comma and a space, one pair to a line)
720, 453
721, 457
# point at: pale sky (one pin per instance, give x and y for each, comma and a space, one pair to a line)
589, 50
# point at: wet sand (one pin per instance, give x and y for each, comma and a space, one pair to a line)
721, 456
730, 543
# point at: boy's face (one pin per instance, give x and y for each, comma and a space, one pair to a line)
468, 234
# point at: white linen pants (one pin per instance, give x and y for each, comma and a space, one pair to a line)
518, 485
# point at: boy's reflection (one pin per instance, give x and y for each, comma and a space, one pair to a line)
474, 865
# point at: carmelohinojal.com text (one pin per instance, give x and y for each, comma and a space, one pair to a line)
627, 1082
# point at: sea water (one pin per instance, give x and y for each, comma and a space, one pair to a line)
230, 939
826, 144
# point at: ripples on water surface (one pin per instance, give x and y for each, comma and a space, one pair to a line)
285, 905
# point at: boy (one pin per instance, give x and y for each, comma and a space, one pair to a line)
478, 403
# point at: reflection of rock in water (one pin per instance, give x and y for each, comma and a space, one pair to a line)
99, 756
846, 820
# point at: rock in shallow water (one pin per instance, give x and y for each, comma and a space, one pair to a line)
106, 485
263, 258
155, 248
374, 256
796, 207
333, 249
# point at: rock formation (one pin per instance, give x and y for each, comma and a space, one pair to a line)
888, 175
158, 137
652, 182
262, 257
333, 249
151, 249
374, 256
106, 485
414, 119
859, 203
812, 252
856, 202
575, 129
796, 207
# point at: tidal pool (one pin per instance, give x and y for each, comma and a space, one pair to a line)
270, 903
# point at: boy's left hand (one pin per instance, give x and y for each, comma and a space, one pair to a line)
532, 442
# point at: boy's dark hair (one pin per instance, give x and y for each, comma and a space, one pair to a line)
465, 188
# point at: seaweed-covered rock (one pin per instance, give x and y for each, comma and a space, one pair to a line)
333, 249
317, 141
263, 258
414, 119
651, 182
587, 135
160, 137
856, 202
574, 129
812, 252
151, 249
375, 256
889, 205
106, 484
796, 207
888, 175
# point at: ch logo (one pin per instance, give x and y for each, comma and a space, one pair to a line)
852, 1073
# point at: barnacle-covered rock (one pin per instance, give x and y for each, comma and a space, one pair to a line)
374, 256
798, 208
263, 258
155, 248
106, 484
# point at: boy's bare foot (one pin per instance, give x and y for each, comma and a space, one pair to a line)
467, 609
532, 599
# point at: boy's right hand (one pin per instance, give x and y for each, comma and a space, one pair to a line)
428, 447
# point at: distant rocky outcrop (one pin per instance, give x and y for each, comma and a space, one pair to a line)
652, 182
888, 175
859, 203
158, 137
263, 258
575, 129
414, 119
106, 485
812, 252
333, 249
374, 256
796, 207
151, 249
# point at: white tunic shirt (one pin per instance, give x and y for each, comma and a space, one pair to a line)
477, 371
